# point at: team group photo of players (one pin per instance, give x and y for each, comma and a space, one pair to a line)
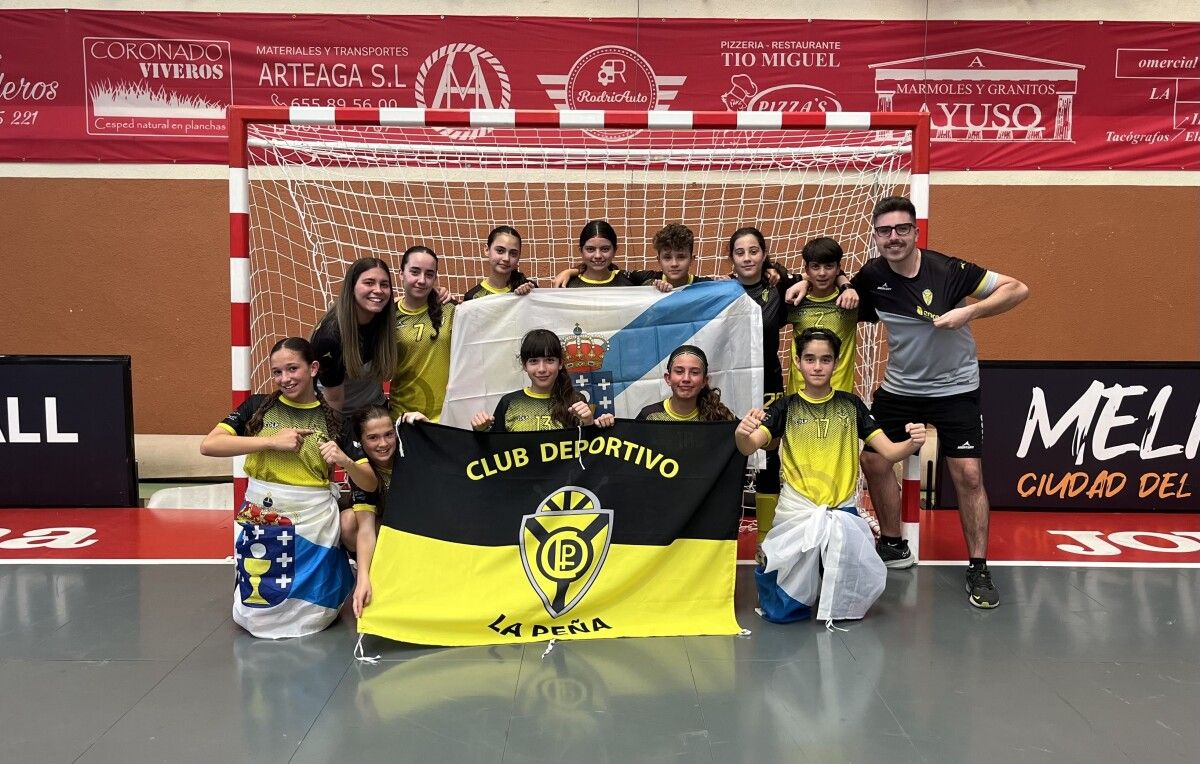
380, 358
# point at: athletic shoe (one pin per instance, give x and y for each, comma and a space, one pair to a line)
982, 591
896, 556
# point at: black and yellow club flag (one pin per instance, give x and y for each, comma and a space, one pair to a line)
569, 534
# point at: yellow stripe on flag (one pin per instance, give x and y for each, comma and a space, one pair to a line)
429, 591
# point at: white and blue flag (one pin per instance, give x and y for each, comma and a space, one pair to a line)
616, 342
292, 574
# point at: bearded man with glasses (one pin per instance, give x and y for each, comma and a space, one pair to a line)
932, 374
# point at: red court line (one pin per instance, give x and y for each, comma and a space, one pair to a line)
193, 535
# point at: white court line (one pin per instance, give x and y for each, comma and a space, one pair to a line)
1046, 564
923, 563
115, 561
1065, 564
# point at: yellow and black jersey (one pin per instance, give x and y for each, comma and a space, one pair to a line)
525, 411
825, 313
661, 412
303, 468
613, 279
423, 368
372, 501
821, 443
484, 289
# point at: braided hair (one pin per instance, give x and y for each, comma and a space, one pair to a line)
435, 304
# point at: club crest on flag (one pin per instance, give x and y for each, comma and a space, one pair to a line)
563, 546
265, 556
584, 360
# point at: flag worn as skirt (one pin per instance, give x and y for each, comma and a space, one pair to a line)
292, 574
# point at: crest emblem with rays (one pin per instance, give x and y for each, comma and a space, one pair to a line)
563, 546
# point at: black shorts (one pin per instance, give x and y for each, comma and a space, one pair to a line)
957, 418
767, 480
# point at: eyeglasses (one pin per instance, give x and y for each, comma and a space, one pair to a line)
904, 229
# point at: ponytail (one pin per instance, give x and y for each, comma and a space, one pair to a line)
333, 419
767, 262
359, 420
256, 422
435, 314
435, 305
708, 403
594, 229
562, 397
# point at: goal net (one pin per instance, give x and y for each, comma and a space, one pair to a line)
322, 195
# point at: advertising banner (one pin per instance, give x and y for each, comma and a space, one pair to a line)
152, 87
1080, 436
66, 432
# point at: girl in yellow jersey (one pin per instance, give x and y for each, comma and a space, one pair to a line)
692, 400
423, 326
292, 574
550, 402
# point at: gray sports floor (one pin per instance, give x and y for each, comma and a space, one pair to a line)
106, 663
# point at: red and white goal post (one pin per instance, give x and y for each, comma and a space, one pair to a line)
311, 189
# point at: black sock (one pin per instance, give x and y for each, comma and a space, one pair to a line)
893, 540
977, 562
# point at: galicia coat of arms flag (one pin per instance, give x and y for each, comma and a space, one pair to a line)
570, 534
616, 342
585, 363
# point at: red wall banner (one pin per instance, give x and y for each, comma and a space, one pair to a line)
82, 86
